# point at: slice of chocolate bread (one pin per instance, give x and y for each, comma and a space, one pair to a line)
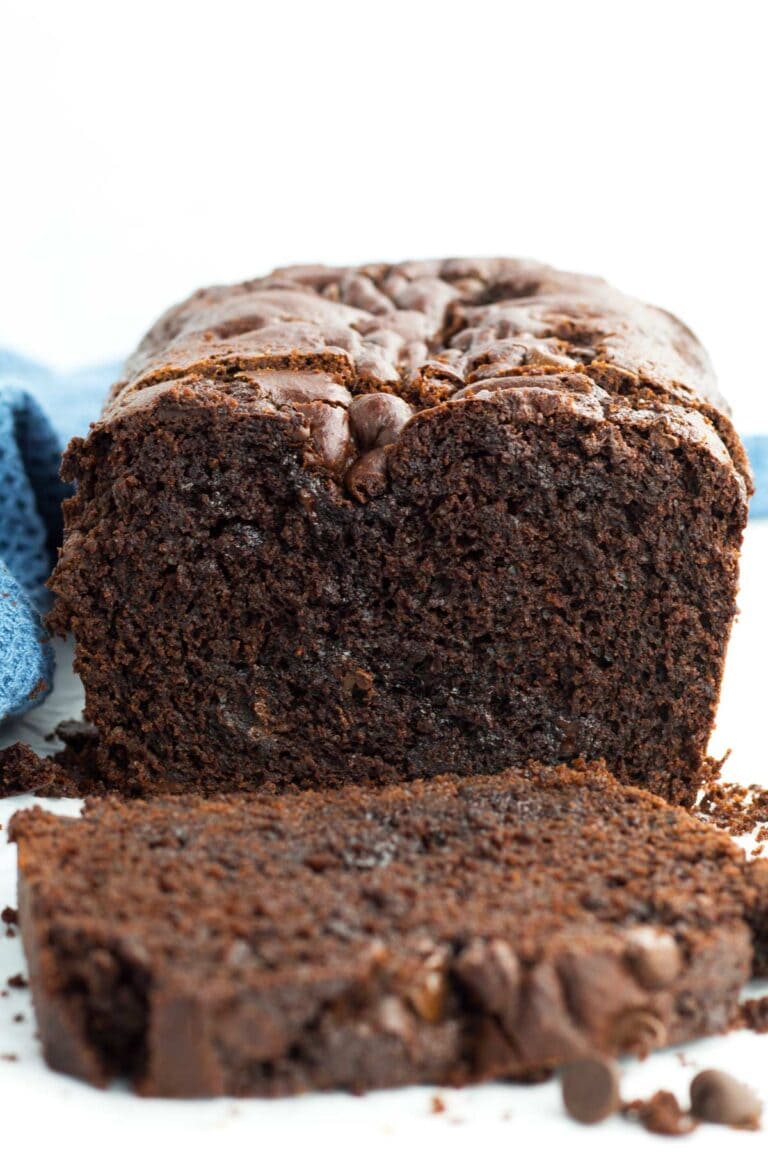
386, 522
440, 931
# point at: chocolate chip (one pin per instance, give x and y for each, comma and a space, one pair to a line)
590, 1089
358, 682
425, 986
395, 1019
491, 972
367, 477
542, 356
493, 1053
545, 1031
719, 1098
653, 956
377, 418
638, 1030
328, 434
597, 986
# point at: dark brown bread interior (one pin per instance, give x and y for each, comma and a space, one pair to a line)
440, 931
373, 524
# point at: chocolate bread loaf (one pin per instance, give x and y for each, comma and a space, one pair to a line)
439, 931
378, 523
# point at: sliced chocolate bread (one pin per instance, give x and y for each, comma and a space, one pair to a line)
341, 525
442, 931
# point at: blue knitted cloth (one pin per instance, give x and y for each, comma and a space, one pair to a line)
757, 450
30, 512
30, 516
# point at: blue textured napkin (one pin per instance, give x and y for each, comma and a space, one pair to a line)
757, 450
30, 511
30, 500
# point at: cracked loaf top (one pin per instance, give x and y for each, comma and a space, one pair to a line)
310, 339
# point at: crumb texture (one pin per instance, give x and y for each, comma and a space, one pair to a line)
380, 523
444, 931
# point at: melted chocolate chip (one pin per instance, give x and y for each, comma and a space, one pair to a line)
367, 477
638, 1030
377, 419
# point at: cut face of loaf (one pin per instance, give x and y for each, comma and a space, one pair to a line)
441, 931
314, 542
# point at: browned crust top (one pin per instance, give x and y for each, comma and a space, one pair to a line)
426, 331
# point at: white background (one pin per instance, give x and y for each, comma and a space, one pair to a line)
147, 148
150, 147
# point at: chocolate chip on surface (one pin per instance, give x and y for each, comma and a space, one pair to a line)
494, 1053
366, 478
590, 1089
653, 956
720, 1098
638, 1030
377, 418
491, 972
424, 984
329, 442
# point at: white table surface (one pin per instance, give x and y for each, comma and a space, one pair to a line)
37, 1104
